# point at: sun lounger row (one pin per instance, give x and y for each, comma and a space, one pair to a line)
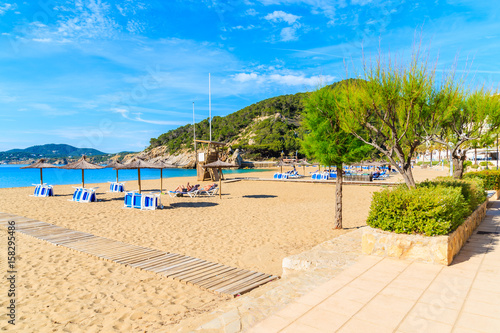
84, 194
143, 201
116, 187
287, 175
43, 190
323, 175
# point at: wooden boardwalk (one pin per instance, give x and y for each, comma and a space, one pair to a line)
216, 278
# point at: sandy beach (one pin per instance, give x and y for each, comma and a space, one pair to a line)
254, 226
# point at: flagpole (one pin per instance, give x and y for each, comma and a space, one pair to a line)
194, 138
209, 107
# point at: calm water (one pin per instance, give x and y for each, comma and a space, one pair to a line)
13, 176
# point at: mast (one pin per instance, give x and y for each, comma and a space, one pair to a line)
194, 137
209, 107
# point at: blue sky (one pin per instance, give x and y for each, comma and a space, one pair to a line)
112, 74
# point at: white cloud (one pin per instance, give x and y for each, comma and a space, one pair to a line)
251, 12
244, 77
280, 16
135, 27
288, 34
240, 27
6, 7
138, 117
325, 7
89, 19
284, 79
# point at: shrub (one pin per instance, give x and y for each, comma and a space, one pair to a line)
485, 163
434, 208
474, 166
429, 211
491, 178
472, 189
467, 163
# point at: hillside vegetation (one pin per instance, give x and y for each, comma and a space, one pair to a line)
262, 130
51, 151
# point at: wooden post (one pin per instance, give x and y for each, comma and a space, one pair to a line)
83, 178
220, 184
161, 181
117, 175
139, 174
41, 177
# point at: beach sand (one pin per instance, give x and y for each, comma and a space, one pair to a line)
254, 226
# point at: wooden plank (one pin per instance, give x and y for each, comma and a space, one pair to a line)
117, 253
138, 258
127, 252
204, 278
174, 264
156, 264
220, 277
245, 284
226, 281
242, 282
82, 245
188, 268
154, 261
64, 234
169, 261
70, 240
198, 272
216, 275
254, 285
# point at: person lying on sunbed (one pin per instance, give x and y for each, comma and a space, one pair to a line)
208, 187
182, 188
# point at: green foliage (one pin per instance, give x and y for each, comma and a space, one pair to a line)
467, 163
433, 208
491, 178
485, 163
271, 133
474, 166
48, 151
395, 106
471, 189
325, 141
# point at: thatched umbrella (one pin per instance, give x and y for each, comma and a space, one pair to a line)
281, 164
83, 165
140, 164
219, 165
115, 165
164, 165
303, 164
40, 165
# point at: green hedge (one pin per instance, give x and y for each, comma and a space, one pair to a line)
433, 208
491, 178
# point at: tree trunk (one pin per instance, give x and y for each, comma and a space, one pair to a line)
338, 198
475, 155
408, 176
458, 165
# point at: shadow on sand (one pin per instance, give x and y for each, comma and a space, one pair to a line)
260, 196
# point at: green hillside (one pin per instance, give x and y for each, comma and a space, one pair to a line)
261, 130
48, 151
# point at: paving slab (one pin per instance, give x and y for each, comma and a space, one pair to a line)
388, 295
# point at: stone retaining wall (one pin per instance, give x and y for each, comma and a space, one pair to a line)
434, 249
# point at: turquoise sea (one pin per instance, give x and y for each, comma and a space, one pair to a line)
12, 176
